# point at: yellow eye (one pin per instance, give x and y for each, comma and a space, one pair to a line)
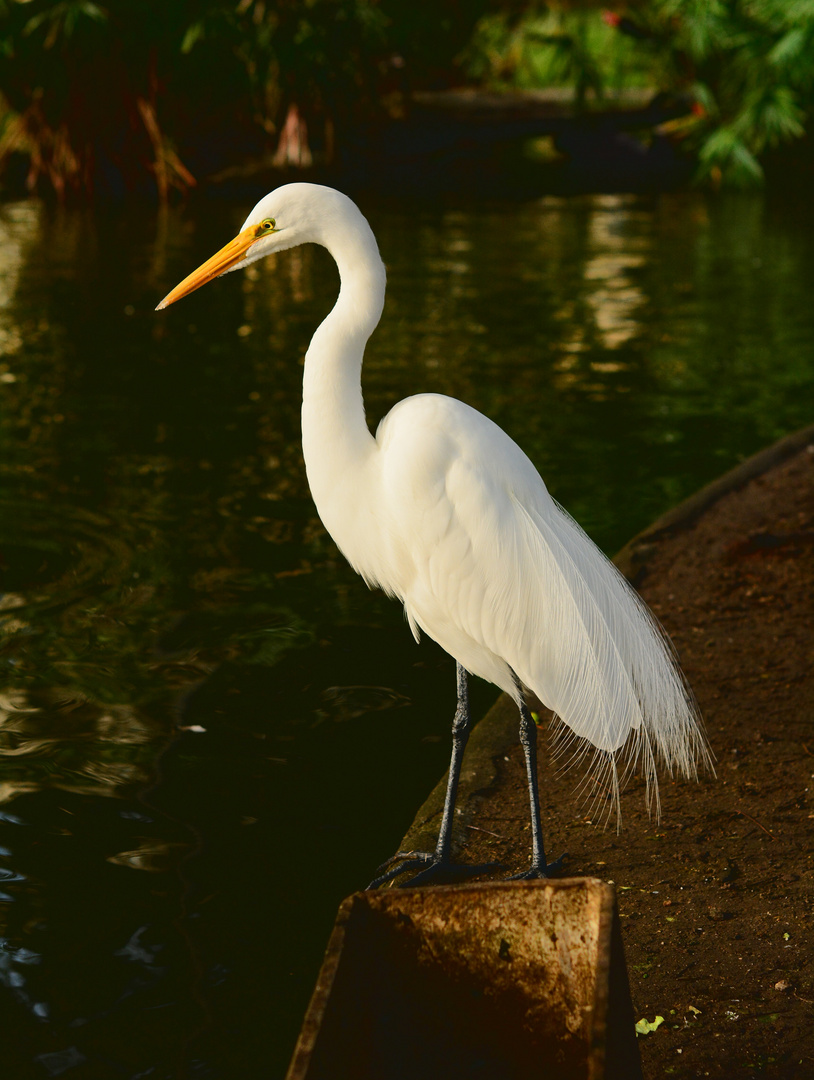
265, 228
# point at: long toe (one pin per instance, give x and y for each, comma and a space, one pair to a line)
415, 860
432, 870
541, 870
416, 856
448, 873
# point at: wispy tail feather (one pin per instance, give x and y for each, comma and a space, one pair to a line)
608, 671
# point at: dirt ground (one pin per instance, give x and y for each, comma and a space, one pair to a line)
717, 898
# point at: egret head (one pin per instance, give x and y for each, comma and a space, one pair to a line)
291, 215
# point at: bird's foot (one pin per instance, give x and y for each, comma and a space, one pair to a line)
387, 871
541, 869
432, 868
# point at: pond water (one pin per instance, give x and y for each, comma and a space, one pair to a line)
210, 731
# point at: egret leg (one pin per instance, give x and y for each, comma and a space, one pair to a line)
436, 866
461, 725
528, 740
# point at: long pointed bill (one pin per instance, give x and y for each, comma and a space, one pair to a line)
224, 260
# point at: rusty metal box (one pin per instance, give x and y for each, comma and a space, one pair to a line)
473, 982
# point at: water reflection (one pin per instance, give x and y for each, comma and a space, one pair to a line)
18, 222
209, 730
612, 292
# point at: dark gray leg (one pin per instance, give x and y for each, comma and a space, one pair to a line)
436, 865
460, 736
528, 740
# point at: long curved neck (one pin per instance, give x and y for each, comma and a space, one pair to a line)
335, 435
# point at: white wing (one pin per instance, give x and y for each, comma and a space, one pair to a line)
493, 569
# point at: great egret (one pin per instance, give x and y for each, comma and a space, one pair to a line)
443, 511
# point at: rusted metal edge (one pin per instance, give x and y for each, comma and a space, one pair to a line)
321, 995
601, 1002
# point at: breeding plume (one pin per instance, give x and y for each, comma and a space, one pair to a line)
442, 510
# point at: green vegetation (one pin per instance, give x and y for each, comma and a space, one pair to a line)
121, 93
747, 66
552, 46
130, 94
750, 67
111, 90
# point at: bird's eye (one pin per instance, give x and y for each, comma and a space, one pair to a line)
265, 228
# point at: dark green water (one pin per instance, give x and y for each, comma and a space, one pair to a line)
210, 731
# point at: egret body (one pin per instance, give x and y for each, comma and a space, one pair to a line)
443, 511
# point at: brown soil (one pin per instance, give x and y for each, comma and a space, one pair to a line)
716, 899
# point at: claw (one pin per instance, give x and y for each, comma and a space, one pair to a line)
547, 870
445, 873
431, 869
394, 871
419, 856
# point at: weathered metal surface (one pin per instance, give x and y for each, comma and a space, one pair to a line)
473, 982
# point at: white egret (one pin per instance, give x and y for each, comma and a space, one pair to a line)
442, 510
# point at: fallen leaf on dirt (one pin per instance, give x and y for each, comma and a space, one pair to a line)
645, 1027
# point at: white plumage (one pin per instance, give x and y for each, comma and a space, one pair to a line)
446, 513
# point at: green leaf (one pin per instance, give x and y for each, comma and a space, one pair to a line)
645, 1027
723, 150
93, 11
746, 165
192, 36
789, 46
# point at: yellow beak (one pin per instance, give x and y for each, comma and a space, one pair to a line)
224, 260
